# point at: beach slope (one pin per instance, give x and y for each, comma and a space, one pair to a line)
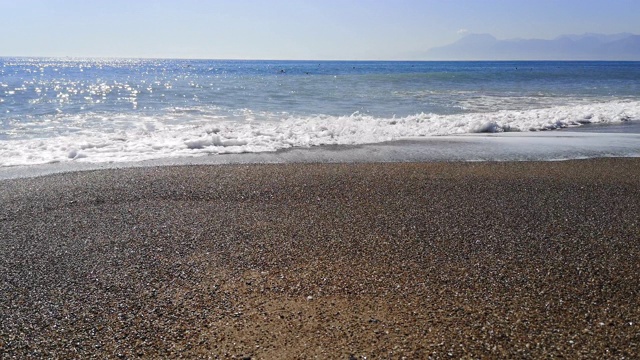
511, 260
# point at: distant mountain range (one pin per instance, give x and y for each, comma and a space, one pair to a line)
588, 46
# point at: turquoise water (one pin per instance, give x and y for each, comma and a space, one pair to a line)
121, 110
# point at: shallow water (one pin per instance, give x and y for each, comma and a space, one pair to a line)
93, 110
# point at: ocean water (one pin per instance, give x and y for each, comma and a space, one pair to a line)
106, 110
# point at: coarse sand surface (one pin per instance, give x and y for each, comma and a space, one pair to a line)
415, 260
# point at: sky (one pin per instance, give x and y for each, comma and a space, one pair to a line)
290, 29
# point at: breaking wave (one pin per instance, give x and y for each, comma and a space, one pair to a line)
128, 137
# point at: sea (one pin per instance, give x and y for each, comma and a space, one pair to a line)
56, 110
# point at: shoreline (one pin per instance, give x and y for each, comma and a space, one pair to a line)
416, 259
584, 142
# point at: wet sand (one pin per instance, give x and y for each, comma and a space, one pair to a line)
503, 260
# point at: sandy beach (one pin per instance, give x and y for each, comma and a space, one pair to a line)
375, 261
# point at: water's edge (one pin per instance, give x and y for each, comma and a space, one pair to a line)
596, 142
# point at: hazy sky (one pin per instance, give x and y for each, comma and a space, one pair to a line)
290, 29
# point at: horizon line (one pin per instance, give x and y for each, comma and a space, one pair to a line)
72, 58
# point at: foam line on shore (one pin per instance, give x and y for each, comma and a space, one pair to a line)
127, 137
544, 146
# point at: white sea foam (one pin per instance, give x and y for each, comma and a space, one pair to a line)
199, 133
